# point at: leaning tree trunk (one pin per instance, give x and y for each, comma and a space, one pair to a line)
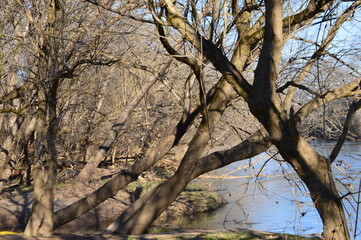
126, 223
143, 212
123, 178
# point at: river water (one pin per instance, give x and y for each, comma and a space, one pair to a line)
270, 197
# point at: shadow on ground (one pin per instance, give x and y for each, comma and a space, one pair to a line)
178, 234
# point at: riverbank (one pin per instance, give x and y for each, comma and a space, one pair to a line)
16, 204
176, 234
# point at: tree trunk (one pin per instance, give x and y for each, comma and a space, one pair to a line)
143, 212
315, 172
312, 168
147, 208
44, 169
41, 218
122, 179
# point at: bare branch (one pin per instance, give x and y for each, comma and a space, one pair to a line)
349, 90
292, 83
352, 110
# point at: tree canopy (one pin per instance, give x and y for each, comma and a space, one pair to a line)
84, 80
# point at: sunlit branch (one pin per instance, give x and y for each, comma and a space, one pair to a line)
356, 105
348, 90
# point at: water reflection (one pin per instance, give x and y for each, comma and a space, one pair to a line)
271, 202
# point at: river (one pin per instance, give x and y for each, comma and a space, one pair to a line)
276, 200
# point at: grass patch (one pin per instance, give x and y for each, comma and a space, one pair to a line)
146, 186
159, 230
196, 187
18, 189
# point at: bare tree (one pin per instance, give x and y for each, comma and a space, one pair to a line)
53, 48
278, 117
234, 50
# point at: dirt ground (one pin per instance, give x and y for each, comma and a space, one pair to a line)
234, 233
15, 206
15, 209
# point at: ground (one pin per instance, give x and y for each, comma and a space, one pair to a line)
178, 234
15, 204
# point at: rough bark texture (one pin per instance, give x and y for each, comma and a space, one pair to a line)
267, 107
277, 117
143, 212
40, 221
312, 168
44, 169
140, 215
122, 179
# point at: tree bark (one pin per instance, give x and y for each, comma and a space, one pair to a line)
315, 171
41, 218
143, 212
122, 179
44, 169
312, 168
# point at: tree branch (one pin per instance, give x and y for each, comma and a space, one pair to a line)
292, 83
349, 90
16, 93
352, 110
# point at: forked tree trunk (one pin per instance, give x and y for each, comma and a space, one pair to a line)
122, 179
143, 212
312, 168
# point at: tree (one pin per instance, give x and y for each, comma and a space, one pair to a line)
275, 113
54, 47
257, 53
